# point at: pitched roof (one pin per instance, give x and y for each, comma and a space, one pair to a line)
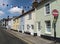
40, 3
25, 13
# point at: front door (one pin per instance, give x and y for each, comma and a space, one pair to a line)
38, 29
22, 28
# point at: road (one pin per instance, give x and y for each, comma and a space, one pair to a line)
6, 38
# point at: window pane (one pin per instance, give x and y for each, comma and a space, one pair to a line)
47, 6
48, 26
32, 26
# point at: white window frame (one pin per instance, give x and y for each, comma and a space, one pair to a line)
45, 8
46, 29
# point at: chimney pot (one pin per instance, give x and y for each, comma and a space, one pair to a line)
35, 4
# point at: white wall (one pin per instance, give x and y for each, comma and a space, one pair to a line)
10, 23
29, 22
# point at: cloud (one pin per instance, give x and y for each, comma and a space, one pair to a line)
1, 13
16, 10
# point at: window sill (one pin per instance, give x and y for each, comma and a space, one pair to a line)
47, 32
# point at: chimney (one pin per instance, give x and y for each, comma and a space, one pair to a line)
8, 17
35, 4
35, 0
23, 11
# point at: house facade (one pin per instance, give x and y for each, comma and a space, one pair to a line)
39, 21
16, 23
44, 18
22, 22
10, 23
29, 22
2, 23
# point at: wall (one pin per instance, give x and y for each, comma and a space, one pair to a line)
30, 22
22, 22
40, 16
16, 24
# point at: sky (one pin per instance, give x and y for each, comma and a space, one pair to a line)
13, 7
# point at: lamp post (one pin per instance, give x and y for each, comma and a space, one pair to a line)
55, 14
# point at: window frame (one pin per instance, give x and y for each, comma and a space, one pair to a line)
45, 8
46, 28
29, 16
39, 26
32, 26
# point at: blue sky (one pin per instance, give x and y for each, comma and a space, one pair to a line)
6, 5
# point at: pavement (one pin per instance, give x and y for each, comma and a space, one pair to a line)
30, 39
7, 38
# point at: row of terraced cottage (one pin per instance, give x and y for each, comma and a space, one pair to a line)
39, 20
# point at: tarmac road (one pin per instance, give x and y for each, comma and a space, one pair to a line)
6, 38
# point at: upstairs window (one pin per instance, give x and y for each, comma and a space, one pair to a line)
30, 16
47, 8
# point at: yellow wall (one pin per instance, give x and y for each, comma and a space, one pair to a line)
16, 24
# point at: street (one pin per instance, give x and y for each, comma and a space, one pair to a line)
6, 38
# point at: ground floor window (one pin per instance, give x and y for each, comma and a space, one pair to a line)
48, 26
28, 27
32, 26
